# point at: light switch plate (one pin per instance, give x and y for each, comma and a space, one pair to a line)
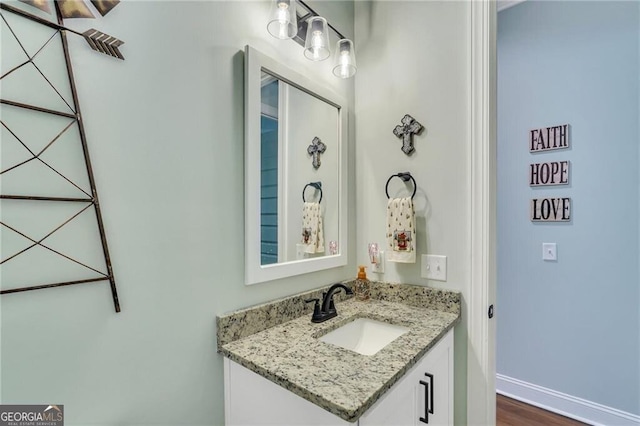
549, 251
434, 267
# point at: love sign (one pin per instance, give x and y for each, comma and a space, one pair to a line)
551, 209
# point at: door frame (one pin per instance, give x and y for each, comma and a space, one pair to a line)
481, 369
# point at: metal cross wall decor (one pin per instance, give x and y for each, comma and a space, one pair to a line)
406, 130
316, 148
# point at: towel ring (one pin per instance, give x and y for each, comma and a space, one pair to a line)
316, 185
405, 176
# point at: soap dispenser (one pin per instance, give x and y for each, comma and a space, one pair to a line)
362, 288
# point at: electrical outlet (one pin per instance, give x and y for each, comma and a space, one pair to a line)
378, 267
300, 251
434, 267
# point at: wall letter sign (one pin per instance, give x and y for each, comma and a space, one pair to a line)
547, 174
549, 138
551, 209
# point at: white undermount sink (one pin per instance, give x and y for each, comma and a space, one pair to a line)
364, 336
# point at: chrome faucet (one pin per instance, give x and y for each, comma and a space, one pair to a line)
328, 309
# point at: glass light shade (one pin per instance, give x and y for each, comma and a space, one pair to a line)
283, 21
345, 59
316, 45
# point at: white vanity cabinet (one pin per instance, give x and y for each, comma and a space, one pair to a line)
251, 399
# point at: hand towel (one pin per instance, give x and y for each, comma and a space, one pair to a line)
312, 233
401, 230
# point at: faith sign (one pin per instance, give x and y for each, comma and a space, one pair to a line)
549, 138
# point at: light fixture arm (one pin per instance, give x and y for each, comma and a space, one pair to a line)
310, 13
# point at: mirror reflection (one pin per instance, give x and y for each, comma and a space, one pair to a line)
299, 173
295, 146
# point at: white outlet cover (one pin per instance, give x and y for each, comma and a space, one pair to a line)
378, 268
434, 267
549, 251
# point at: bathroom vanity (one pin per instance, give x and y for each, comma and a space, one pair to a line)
278, 370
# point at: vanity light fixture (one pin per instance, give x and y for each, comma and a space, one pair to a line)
316, 45
283, 21
312, 32
345, 59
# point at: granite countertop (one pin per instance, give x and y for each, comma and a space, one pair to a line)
342, 382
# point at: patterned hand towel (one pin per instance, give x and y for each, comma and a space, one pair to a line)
312, 233
401, 230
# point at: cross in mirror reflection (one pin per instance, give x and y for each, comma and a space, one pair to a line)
316, 148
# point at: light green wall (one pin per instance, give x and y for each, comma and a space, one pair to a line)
413, 58
165, 130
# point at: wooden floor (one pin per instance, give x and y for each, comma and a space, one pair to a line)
515, 413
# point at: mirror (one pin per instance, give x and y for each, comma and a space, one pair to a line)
295, 185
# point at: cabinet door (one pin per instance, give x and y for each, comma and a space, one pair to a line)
251, 399
436, 385
423, 396
397, 407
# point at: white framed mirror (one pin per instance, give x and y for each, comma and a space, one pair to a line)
295, 200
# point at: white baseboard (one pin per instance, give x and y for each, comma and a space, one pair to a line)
570, 406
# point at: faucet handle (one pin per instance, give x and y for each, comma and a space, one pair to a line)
316, 307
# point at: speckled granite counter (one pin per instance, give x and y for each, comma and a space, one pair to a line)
278, 341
